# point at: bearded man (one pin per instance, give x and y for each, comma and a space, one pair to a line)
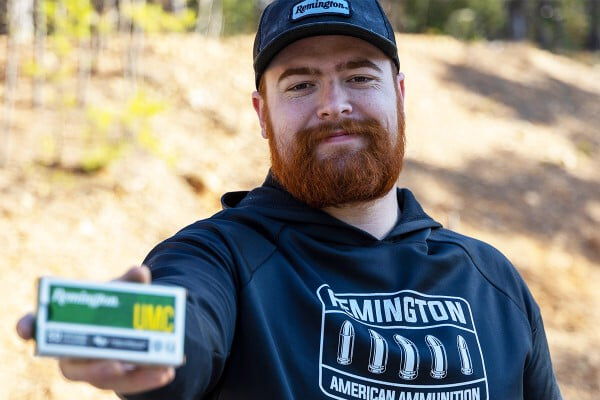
329, 281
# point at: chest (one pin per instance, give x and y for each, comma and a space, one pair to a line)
396, 323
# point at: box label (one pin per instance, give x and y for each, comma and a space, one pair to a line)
111, 309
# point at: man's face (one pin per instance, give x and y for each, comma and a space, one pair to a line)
332, 109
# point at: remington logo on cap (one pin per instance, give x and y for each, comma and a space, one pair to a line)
312, 8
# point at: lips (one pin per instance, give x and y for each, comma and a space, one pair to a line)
337, 136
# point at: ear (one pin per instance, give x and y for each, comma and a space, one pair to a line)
259, 106
400, 82
400, 88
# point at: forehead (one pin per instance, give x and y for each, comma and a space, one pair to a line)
326, 50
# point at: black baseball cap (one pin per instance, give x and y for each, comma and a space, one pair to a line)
286, 21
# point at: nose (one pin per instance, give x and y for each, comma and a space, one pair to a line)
333, 102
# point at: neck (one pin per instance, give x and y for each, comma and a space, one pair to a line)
376, 217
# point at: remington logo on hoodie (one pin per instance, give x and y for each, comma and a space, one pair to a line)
404, 345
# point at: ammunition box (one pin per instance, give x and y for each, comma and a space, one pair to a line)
137, 323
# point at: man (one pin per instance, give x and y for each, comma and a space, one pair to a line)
328, 281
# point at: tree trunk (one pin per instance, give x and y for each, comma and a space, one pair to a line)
176, 6
210, 17
215, 25
593, 40
84, 68
136, 42
110, 11
62, 93
19, 29
101, 8
3, 17
203, 17
39, 46
548, 27
124, 20
517, 19
22, 14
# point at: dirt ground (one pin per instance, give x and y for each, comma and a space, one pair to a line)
503, 144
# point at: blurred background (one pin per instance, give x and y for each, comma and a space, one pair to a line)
124, 120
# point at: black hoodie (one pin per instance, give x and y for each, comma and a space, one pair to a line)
288, 302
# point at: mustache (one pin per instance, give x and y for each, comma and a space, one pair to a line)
365, 127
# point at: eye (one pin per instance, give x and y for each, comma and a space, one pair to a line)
360, 79
300, 86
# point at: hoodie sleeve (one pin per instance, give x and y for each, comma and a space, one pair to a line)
198, 260
539, 382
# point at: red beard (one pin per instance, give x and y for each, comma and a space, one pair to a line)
345, 176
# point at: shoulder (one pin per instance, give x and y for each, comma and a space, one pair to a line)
494, 268
230, 237
237, 228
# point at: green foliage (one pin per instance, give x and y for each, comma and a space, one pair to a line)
33, 69
105, 24
141, 107
152, 18
552, 23
111, 133
479, 19
240, 16
576, 25
462, 23
490, 16
69, 23
70, 18
466, 19
114, 132
101, 155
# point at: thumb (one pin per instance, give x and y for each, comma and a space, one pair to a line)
136, 274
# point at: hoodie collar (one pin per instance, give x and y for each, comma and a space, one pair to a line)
273, 201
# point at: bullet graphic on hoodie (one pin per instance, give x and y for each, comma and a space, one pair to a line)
439, 362
379, 353
409, 358
466, 365
346, 344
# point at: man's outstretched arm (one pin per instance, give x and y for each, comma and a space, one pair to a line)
198, 261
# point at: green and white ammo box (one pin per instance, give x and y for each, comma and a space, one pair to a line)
137, 323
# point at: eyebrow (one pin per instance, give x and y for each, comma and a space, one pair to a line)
299, 71
356, 64
352, 64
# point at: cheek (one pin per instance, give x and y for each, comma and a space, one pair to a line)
385, 113
286, 123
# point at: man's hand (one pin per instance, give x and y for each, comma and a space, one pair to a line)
114, 375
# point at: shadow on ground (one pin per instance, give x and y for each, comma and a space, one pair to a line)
576, 369
541, 102
509, 194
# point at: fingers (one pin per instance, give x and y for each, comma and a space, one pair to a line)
115, 375
144, 379
25, 326
137, 274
